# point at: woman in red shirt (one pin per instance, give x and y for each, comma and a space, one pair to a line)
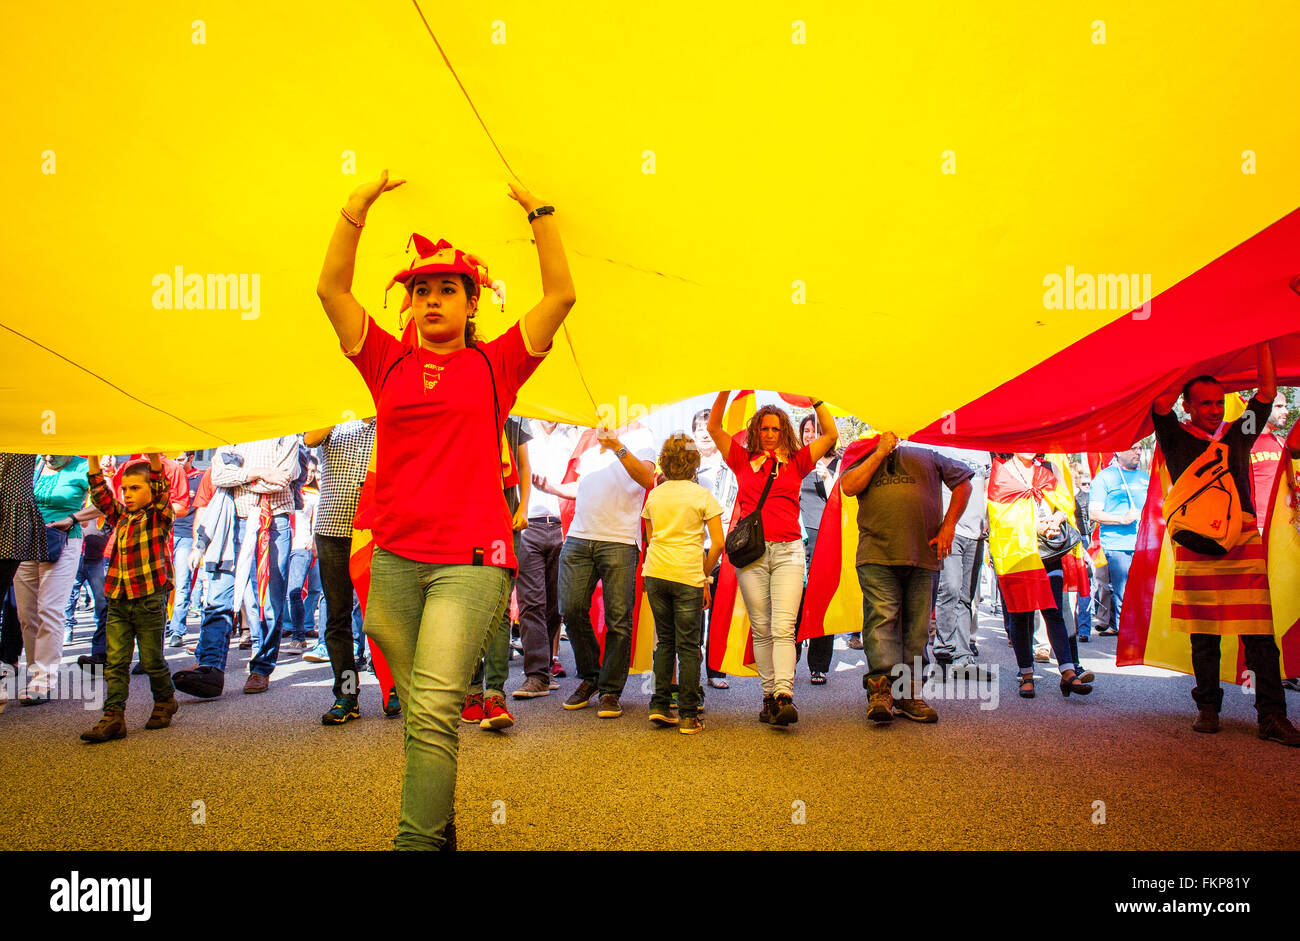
773, 585
443, 560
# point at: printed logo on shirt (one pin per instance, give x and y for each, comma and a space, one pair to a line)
432, 373
881, 480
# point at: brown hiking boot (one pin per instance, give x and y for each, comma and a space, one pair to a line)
1276, 728
110, 726
608, 708
1207, 720
161, 717
880, 702
915, 708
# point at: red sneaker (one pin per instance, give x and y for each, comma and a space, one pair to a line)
473, 711
497, 715
557, 669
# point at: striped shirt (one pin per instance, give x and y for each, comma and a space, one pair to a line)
280, 453
344, 459
140, 558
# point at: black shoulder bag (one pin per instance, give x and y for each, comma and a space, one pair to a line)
744, 543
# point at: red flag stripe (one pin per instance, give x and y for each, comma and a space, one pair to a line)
1224, 612
1220, 582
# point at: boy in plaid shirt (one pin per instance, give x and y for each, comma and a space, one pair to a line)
137, 585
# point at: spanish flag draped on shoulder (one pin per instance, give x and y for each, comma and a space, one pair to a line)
1148, 634
1013, 534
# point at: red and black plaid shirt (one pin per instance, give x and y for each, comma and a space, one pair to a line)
140, 561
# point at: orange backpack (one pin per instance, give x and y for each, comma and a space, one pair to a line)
1203, 508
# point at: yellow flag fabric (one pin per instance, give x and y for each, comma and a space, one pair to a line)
736, 185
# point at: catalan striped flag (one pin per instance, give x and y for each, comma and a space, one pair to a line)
731, 644
1149, 634
832, 602
363, 548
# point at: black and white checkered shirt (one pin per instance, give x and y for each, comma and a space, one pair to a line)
344, 457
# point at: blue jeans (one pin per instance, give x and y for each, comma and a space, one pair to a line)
583, 562
432, 623
1118, 562
771, 588
181, 546
679, 618
303, 571
218, 621
91, 572
266, 634
896, 601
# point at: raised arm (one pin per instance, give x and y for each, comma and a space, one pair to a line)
820, 447
720, 437
335, 285
855, 480
558, 294
1267, 373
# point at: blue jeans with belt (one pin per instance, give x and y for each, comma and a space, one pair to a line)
897, 600
432, 622
181, 546
583, 563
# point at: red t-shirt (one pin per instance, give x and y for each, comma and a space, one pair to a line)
781, 511
438, 494
203, 495
1265, 462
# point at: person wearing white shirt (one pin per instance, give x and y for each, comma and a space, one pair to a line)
602, 546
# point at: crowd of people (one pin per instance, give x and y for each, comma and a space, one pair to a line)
469, 510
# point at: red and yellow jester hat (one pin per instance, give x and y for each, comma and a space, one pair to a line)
440, 258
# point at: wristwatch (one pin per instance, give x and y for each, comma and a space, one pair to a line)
621, 453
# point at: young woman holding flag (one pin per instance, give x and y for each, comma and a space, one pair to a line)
443, 559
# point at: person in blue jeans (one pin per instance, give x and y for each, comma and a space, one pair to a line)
903, 537
677, 514
1118, 494
601, 546
91, 573
443, 557
182, 543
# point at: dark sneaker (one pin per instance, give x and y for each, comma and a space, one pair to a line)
203, 682
296, 646
92, 660
581, 697
769, 707
495, 714
1207, 720
661, 715
609, 707
175, 640
1276, 728
689, 725
313, 634
345, 709
473, 709
880, 702
138, 669
392, 705
784, 712
1291, 683
257, 683
855, 641
161, 717
112, 725
532, 688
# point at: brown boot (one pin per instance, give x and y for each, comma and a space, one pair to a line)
1207, 720
1276, 728
880, 702
161, 717
110, 726
915, 708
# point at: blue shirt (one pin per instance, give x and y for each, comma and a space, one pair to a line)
1116, 490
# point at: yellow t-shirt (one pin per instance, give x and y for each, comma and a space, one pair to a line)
678, 511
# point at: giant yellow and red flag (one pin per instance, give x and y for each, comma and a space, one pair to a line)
1147, 635
731, 644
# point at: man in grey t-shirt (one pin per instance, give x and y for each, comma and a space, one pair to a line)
903, 535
